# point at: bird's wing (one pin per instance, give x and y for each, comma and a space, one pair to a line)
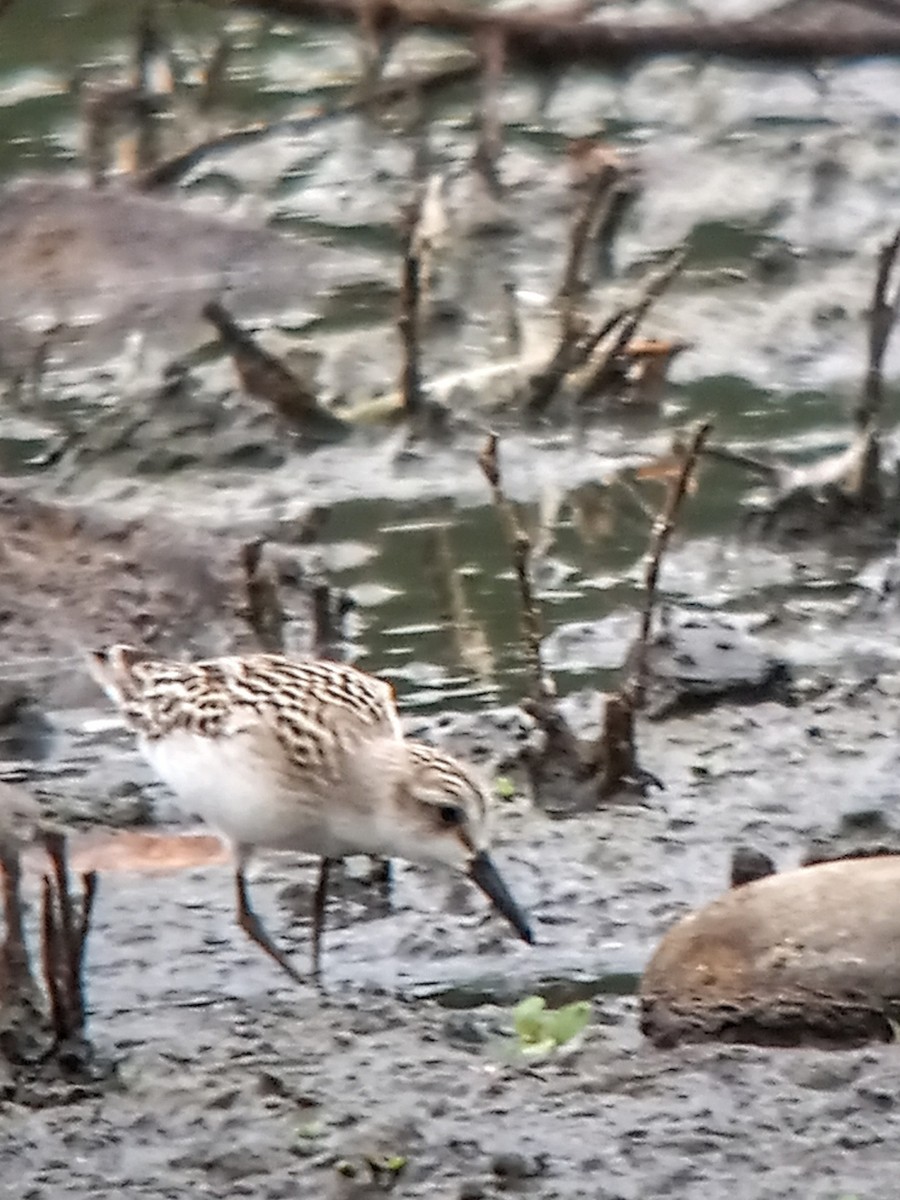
315, 708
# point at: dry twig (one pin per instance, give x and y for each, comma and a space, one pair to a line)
409, 315
170, 170
882, 319
661, 535
64, 932
489, 145
606, 366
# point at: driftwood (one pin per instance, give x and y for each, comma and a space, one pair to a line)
542, 39
265, 377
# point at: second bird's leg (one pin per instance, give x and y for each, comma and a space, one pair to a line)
320, 899
253, 927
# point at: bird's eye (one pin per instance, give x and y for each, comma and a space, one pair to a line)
450, 815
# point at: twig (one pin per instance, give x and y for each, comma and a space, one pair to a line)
213, 74
656, 284
327, 614
660, 536
489, 145
771, 471
590, 215
264, 611
377, 39
408, 318
882, 319
520, 544
147, 40
51, 959
265, 377
15, 951
67, 933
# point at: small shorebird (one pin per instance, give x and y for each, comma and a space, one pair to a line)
302, 755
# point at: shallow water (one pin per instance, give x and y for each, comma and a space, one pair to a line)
781, 185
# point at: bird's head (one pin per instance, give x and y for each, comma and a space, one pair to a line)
444, 809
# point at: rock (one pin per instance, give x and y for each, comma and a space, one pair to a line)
696, 659
25, 733
748, 864
803, 957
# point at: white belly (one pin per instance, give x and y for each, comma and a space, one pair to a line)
227, 783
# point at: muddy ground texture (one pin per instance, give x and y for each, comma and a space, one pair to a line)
231, 1081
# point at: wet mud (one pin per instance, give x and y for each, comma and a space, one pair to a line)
133, 492
233, 1079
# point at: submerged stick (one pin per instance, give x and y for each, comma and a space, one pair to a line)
520, 544
265, 377
489, 145
409, 315
657, 282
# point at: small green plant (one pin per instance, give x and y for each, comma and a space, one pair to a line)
504, 788
541, 1030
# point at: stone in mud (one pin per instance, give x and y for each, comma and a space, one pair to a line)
25, 732
807, 957
697, 659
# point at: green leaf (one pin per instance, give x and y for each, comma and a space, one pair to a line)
567, 1022
504, 787
528, 1019
541, 1030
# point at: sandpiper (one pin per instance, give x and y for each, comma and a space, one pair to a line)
304, 755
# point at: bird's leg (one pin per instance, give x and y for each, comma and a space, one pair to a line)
320, 899
252, 926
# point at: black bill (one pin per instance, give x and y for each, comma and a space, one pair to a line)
485, 875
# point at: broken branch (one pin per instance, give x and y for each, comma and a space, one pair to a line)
660, 537
882, 319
